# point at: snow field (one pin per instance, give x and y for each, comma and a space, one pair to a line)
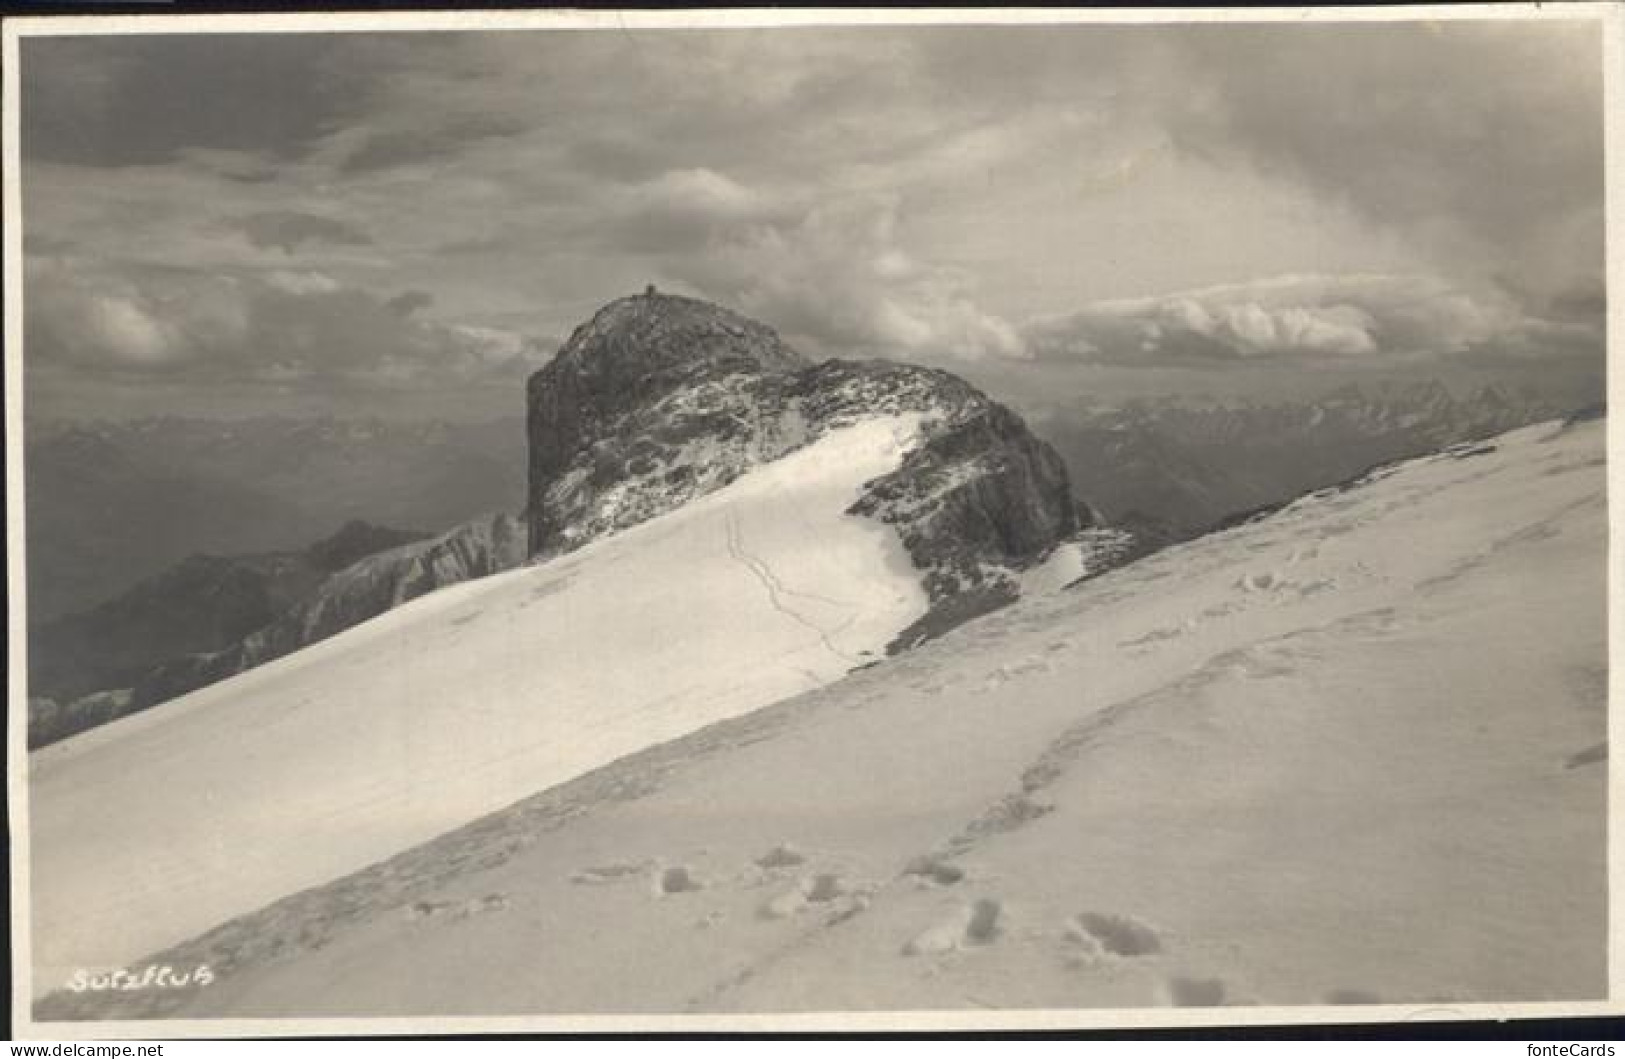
1351, 754
155, 828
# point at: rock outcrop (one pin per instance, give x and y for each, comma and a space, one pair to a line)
662, 399
650, 403
50, 721
204, 605
352, 595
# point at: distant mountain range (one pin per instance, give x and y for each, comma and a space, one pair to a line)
110, 504
87, 668
1187, 466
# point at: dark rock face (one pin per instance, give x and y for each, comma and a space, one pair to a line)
354, 541
204, 603
984, 489
617, 375
385, 581
50, 721
356, 593
134, 653
660, 400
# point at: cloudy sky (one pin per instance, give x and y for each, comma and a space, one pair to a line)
408, 223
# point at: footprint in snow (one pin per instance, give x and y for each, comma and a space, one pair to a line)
831, 891
823, 887
473, 906
1008, 672
783, 855
608, 873
931, 871
1154, 636
1183, 992
1265, 581
1112, 934
427, 909
969, 926
677, 879
1371, 623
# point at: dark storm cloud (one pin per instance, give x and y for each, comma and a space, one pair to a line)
1480, 140
1489, 122
146, 100
137, 100
286, 230
1490, 131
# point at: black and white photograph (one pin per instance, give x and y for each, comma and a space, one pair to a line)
808, 520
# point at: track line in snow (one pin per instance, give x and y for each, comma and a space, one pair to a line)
776, 591
767, 572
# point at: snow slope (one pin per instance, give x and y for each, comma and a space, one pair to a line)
156, 827
1352, 753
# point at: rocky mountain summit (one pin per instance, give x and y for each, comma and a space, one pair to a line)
660, 399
